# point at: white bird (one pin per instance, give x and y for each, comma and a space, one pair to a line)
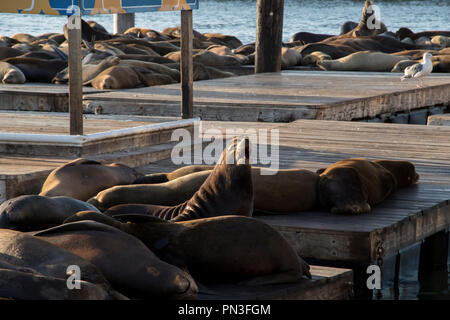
419, 70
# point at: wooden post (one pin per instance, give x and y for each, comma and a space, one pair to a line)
269, 33
75, 76
187, 66
123, 22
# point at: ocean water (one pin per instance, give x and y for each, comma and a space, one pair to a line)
238, 17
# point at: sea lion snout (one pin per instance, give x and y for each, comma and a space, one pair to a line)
185, 287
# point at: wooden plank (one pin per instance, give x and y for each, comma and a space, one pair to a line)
269, 32
75, 76
187, 66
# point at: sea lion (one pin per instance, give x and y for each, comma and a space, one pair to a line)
228, 188
314, 57
364, 28
126, 262
34, 268
207, 247
88, 33
212, 59
23, 37
442, 41
10, 74
117, 77
292, 190
347, 26
335, 51
352, 186
441, 63
402, 65
32, 212
308, 37
290, 57
7, 52
154, 67
245, 49
175, 32
38, 70
89, 71
82, 179
230, 41
362, 61
404, 171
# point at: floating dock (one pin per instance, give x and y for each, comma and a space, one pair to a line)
284, 97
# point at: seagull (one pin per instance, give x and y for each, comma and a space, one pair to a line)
419, 70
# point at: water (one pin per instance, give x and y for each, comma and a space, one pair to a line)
238, 17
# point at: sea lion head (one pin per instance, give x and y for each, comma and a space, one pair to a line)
403, 171
12, 77
108, 82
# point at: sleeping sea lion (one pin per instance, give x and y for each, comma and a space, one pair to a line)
117, 77
404, 171
32, 268
10, 74
126, 262
32, 212
207, 247
38, 70
81, 178
308, 37
354, 185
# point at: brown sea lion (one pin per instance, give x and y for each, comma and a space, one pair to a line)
10, 74
334, 51
228, 188
7, 52
32, 268
308, 37
441, 63
290, 57
32, 212
207, 247
230, 41
352, 186
154, 67
314, 57
245, 49
404, 171
82, 179
175, 32
292, 190
23, 37
126, 262
362, 61
364, 28
117, 77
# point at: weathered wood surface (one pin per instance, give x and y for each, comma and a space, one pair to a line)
408, 216
187, 65
326, 284
269, 33
439, 120
283, 97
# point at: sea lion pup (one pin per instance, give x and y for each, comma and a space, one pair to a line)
228, 188
125, 261
217, 249
82, 178
10, 74
32, 212
31, 268
291, 190
362, 61
352, 186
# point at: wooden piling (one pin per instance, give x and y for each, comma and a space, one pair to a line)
187, 71
269, 33
123, 21
75, 76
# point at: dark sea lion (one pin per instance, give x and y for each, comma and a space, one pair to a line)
88, 33
10, 74
38, 70
97, 26
230, 41
32, 212
308, 37
334, 51
441, 63
207, 247
41, 54
352, 186
82, 178
404, 171
125, 261
362, 28
228, 188
245, 49
347, 26
7, 52
33, 268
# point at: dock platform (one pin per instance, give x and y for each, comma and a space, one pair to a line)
284, 97
326, 284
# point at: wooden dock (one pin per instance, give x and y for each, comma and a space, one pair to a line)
407, 217
326, 284
283, 97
